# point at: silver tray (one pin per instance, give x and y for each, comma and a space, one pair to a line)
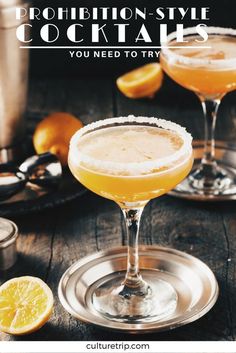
225, 154
194, 282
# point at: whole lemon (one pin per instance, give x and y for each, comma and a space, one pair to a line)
53, 134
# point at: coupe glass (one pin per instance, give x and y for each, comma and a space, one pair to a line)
211, 73
122, 170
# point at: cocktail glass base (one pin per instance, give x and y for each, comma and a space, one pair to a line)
168, 269
218, 187
215, 183
112, 299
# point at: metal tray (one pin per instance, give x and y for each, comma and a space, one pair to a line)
193, 281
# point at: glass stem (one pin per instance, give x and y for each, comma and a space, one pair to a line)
210, 108
133, 283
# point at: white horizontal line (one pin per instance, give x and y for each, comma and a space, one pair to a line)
111, 47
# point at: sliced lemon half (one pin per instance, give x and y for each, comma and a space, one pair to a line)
26, 304
141, 82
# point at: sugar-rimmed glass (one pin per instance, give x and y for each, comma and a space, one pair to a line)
210, 73
109, 157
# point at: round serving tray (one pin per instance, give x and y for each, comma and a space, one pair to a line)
225, 154
193, 281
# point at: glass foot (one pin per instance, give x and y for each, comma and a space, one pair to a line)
111, 299
220, 184
215, 183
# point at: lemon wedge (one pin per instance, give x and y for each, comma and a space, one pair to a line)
141, 82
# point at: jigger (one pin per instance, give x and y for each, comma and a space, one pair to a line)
14, 64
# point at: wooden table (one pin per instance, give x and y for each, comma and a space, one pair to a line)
52, 240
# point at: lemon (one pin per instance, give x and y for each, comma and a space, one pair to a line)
141, 82
26, 304
53, 134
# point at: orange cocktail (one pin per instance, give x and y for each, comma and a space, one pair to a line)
131, 151
208, 69
131, 160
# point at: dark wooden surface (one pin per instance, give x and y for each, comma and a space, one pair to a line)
52, 240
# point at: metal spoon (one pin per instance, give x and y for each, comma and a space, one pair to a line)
11, 181
43, 170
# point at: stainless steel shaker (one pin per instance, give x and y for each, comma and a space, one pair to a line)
8, 238
14, 64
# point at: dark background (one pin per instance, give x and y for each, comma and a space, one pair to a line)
57, 63
50, 241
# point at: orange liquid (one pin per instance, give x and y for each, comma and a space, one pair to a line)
128, 144
210, 79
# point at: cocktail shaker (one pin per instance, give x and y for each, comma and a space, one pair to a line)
14, 64
8, 238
